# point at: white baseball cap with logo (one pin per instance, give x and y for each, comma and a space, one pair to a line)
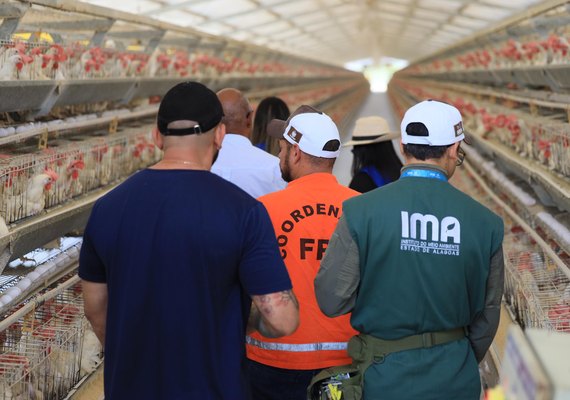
312, 130
442, 122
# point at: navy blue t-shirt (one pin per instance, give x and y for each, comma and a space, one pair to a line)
181, 252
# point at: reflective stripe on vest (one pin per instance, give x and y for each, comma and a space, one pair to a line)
296, 347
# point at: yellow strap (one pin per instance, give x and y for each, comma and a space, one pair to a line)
336, 394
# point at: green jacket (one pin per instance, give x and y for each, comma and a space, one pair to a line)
428, 258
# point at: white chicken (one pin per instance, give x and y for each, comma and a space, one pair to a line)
90, 354
137, 67
32, 201
105, 166
160, 64
26, 391
74, 186
17, 386
52, 371
35, 198
68, 184
143, 153
79, 69
20, 391
9, 70
60, 365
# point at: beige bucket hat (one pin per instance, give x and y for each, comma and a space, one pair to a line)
371, 130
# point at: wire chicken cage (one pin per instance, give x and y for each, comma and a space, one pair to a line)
537, 290
530, 52
24, 60
540, 139
41, 353
30, 183
543, 139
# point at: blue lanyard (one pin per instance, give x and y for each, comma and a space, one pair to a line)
424, 173
374, 174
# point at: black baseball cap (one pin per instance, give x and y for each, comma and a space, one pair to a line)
189, 101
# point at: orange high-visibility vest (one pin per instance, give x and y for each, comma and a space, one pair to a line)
304, 216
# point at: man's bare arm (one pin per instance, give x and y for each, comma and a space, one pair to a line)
95, 298
274, 315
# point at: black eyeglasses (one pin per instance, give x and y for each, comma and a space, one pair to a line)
248, 114
460, 156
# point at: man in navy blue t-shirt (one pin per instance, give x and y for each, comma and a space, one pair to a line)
171, 261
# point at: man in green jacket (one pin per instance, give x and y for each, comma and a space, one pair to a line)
420, 265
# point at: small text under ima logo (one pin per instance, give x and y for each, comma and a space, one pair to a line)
444, 236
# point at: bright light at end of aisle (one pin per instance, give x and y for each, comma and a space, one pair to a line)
377, 73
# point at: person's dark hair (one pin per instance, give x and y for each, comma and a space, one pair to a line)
381, 155
321, 162
424, 152
268, 109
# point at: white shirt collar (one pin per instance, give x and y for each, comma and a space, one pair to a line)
235, 138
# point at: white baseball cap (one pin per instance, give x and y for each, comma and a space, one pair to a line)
442, 123
312, 130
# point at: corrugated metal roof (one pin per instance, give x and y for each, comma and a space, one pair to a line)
335, 31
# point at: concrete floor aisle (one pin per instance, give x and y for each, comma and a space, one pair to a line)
376, 104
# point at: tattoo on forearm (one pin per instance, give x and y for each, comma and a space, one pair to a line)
287, 296
267, 302
265, 307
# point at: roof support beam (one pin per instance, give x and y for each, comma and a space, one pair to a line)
172, 7
258, 7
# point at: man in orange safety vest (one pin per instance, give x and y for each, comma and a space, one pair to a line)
304, 216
